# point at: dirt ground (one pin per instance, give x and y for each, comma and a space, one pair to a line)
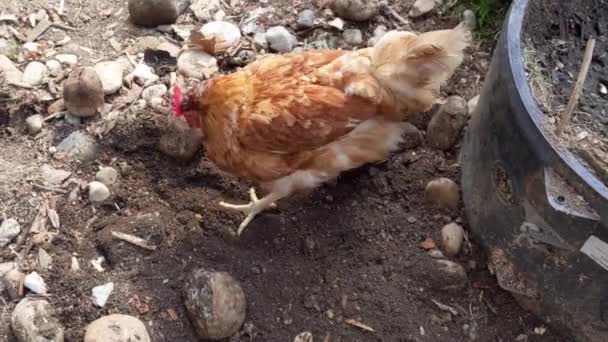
347, 250
556, 47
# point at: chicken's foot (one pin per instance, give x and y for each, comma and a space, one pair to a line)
254, 207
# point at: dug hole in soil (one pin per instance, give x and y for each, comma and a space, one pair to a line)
553, 55
349, 250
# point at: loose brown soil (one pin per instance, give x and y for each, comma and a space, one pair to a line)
554, 54
347, 250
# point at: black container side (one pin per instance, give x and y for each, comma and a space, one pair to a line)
530, 121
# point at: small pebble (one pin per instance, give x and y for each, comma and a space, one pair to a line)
54, 67
205, 10
34, 123
444, 192
144, 75
157, 90
355, 10
9, 229
98, 192
107, 175
67, 59
11, 282
44, 259
353, 37
306, 19
422, 7
79, 145
469, 19
110, 75
101, 294
83, 92
280, 39
35, 73
197, 64
452, 236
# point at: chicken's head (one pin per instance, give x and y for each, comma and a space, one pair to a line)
183, 106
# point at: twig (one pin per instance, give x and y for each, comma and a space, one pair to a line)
64, 27
46, 188
61, 4
445, 307
396, 15
578, 88
137, 241
359, 325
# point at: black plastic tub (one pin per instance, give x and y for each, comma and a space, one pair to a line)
539, 212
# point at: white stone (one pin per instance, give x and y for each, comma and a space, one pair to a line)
34, 282
11, 73
204, 10
54, 67
280, 40
67, 59
197, 64
98, 192
157, 90
110, 74
32, 321
337, 23
229, 32
144, 75
34, 123
107, 175
101, 294
353, 37
472, 104
117, 328
9, 229
422, 7
35, 73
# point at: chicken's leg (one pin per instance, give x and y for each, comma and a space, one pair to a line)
254, 207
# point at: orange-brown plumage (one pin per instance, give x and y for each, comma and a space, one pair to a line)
294, 121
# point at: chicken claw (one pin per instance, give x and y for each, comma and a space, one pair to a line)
252, 209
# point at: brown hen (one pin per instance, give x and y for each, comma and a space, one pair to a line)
292, 122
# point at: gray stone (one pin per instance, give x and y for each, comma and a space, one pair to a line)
157, 90
79, 145
469, 19
151, 13
353, 37
446, 275
280, 39
355, 10
445, 126
9, 229
306, 19
67, 59
32, 321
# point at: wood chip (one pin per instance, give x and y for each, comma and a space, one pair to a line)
172, 313
54, 217
132, 239
359, 325
37, 31
115, 44
445, 307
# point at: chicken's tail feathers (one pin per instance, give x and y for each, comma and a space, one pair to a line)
414, 66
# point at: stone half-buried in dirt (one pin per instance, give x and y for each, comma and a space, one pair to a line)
147, 227
117, 328
215, 303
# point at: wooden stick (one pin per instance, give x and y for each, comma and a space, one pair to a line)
578, 88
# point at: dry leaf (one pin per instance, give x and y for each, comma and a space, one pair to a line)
212, 44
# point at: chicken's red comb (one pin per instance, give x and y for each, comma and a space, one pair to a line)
177, 101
